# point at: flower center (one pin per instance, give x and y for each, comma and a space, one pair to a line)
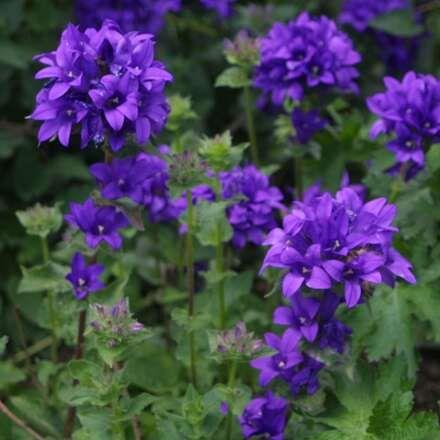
100, 229
81, 282
281, 364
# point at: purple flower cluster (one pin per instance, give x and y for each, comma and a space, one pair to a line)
131, 15
410, 111
253, 215
104, 84
143, 179
337, 242
305, 53
397, 52
84, 278
330, 247
223, 8
265, 416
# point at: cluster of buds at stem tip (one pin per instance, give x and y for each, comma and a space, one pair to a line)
238, 341
243, 50
115, 323
186, 170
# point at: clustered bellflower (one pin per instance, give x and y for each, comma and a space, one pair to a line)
337, 242
254, 213
265, 416
409, 110
131, 15
333, 249
84, 277
143, 179
103, 84
305, 53
397, 52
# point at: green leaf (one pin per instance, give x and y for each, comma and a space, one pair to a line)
50, 276
400, 23
233, 77
95, 424
212, 225
162, 372
9, 374
133, 406
433, 158
3, 342
391, 420
34, 411
13, 55
392, 332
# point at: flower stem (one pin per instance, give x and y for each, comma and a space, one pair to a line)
299, 184
250, 124
219, 266
190, 282
20, 423
71, 412
231, 382
51, 305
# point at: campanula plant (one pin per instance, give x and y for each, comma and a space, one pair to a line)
170, 272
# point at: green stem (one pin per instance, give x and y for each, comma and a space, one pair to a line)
250, 124
190, 282
51, 305
299, 184
219, 265
231, 382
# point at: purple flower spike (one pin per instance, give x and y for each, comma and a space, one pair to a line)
85, 278
410, 111
99, 224
131, 15
305, 53
281, 363
103, 85
265, 416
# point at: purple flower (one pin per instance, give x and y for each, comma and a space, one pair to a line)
281, 363
98, 223
254, 215
224, 408
223, 8
265, 416
104, 85
329, 242
84, 278
124, 178
306, 124
359, 13
305, 53
410, 110
314, 318
305, 376
131, 15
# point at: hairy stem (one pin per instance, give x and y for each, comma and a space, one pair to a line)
250, 124
51, 305
71, 412
19, 422
219, 266
299, 184
231, 382
190, 283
